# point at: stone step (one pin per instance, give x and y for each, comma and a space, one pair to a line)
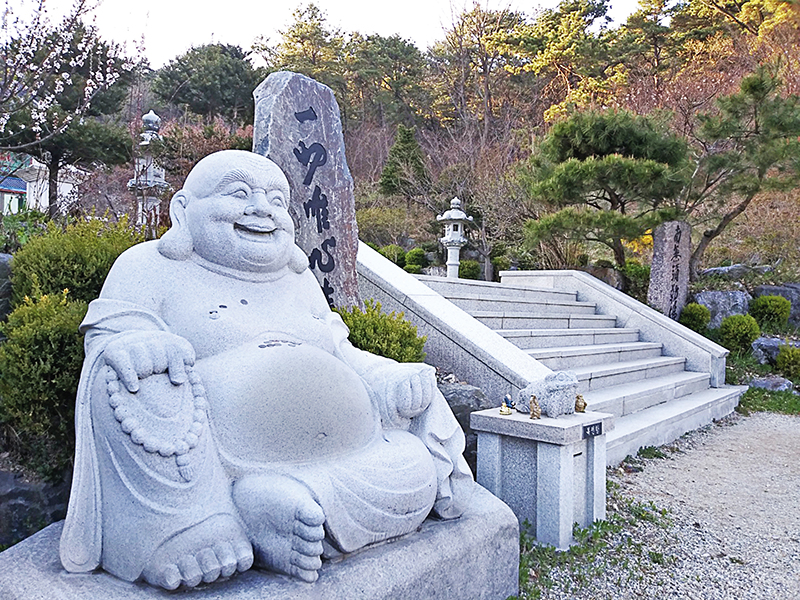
627, 398
489, 289
567, 357
549, 338
473, 302
594, 377
668, 421
515, 320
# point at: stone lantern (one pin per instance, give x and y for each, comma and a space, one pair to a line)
455, 222
148, 183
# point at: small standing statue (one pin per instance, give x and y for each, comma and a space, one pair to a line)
536, 410
580, 404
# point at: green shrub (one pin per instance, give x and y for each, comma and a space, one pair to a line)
77, 259
695, 316
413, 269
469, 269
416, 256
40, 364
788, 361
637, 277
394, 253
771, 311
389, 335
737, 332
16, 229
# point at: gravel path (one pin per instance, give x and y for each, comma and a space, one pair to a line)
732, 528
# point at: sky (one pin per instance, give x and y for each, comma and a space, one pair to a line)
168, 28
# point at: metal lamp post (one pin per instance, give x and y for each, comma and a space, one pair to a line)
455, 221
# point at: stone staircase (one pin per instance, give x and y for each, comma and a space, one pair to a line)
653, 397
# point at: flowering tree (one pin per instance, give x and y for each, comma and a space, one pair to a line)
42, 63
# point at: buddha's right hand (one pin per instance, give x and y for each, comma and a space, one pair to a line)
138, 354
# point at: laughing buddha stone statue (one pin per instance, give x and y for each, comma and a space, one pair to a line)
223, 419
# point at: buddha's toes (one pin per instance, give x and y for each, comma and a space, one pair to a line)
284, 522
216, 547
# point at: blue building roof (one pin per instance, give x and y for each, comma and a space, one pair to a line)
15, 185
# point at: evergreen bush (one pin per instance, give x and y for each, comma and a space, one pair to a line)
696, 317
394, 253
40, 364
788, 361
389, 335
413, 269
77, 259
416, 256
469, 269
771, 311
637, 276
737, 332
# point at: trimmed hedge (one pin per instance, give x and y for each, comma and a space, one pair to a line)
771, 311
737, 332
696, 317
389, 335
40, 364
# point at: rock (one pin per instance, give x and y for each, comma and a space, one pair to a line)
765, 349
723, 304
669, 272
465, 399
735, 271
607, 275
5, 284
27, 507
790, 291
772, 383
555, 394
297, 125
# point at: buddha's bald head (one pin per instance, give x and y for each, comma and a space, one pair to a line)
216, 170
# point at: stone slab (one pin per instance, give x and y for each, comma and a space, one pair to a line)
566, 429
669, 275
297, 125
475, 557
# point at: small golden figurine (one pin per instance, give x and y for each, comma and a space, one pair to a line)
536, 410
580, 403
505, 409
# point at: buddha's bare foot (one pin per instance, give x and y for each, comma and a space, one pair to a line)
285, 524
215, 547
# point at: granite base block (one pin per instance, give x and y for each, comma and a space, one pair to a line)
475, 557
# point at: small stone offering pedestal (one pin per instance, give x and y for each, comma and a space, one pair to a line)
475, 556
551, 472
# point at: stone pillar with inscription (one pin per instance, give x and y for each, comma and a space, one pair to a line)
297, 125
669, 272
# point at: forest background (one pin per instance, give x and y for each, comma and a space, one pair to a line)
521, 116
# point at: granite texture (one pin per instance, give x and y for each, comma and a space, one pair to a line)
297, 125
475, 557
555, 394
669, 271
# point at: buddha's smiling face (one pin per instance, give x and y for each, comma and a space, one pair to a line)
242, 222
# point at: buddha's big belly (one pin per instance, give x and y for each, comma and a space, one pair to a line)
280, 401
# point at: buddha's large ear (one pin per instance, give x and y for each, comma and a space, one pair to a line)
177, 242
298, 262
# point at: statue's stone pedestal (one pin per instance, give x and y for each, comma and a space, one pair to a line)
476, 557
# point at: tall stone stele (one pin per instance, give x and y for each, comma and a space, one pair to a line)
223, 419
669, 271
297, 125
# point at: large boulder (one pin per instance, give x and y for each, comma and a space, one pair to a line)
772, 383
735, 271
790, 291
765, 349
724, 304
